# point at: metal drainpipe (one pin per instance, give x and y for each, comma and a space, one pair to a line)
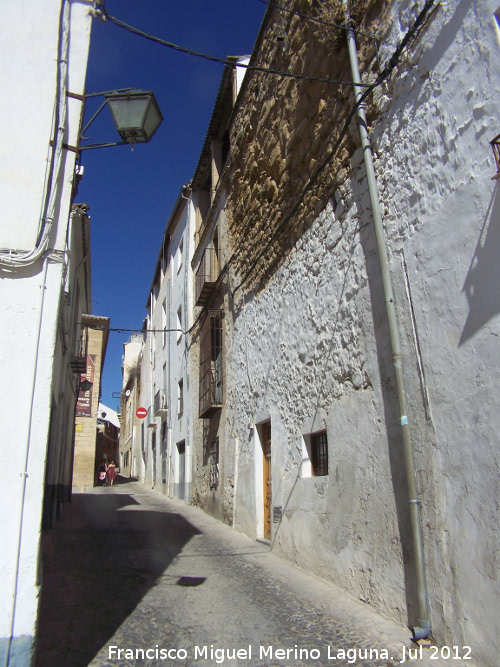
186, 354
423, 629
152, 360
168, 387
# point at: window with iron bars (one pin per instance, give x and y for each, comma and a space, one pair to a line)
180, 398
319, 454
214, 463
211, 364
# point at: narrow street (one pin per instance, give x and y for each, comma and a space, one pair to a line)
128, 573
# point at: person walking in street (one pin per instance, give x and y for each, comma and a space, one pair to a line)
103, 470
112, 472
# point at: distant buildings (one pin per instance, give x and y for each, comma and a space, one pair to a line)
130, 453
88, 409
44, 289
164, 436
107, 437
284, 354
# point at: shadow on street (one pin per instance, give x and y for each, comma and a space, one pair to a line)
98, 563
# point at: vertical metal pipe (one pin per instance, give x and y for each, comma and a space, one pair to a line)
424, 626
171, 323
187, 357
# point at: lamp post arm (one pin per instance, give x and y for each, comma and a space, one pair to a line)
93, 118
105, 92
105, 145
136, 127
109, 92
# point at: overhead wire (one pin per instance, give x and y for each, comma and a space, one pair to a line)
223, 61
96, 327
413, 31
328, 24
386, 72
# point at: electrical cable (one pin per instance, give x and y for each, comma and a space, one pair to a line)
328, 24
96, 327
10, 258
223, 61
413, 31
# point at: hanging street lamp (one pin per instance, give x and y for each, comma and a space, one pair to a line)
136, 115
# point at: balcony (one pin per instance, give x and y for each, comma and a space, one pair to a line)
211, 392
160, 404
78, 365
206, 276
78, 361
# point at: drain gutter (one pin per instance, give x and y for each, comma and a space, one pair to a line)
423, 627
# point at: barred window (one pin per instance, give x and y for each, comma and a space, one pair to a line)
179, 324
211, 365
319, 454
214, 463
180, 398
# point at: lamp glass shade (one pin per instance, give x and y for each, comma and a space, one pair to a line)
136, 115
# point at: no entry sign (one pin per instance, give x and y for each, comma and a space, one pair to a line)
141, 413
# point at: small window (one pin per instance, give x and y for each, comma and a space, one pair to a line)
214, 463
164, 321
180, 399
496, 23
155, 292
180, 255
319, 454
179, 324
315, 455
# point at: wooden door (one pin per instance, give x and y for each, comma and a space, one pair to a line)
268, 494
181, 448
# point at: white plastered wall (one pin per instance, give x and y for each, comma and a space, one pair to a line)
29, 34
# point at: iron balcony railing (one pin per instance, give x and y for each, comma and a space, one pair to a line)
160, 404
211, 366
78, 361
206, 276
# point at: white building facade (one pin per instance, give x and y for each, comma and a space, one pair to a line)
166, 432
46, 46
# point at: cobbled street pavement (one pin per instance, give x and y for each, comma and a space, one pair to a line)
130, 569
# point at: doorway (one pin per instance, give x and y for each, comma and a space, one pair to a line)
267, 482
153, 450
181, 448
164, 452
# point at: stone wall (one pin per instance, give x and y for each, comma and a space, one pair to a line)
286, 164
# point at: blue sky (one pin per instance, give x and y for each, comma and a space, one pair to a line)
131, 194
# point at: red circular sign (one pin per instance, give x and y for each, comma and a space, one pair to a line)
141, 413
